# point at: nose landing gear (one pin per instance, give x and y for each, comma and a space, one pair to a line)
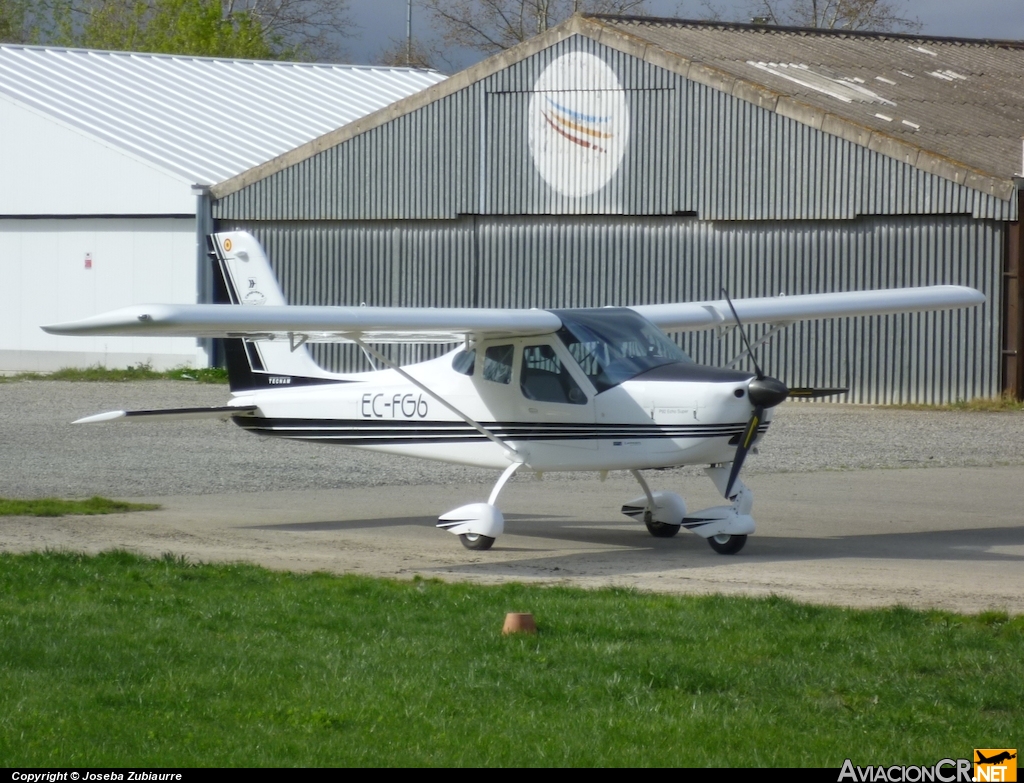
725, 527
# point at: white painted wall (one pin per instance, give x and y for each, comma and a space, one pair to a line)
46, 280
50, 168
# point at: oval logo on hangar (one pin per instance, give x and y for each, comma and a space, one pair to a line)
579, 124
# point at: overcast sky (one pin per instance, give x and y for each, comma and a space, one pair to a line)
379, 23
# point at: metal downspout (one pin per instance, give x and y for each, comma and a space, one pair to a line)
204, 270
1013, 303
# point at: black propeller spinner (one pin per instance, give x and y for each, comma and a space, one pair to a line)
764, 393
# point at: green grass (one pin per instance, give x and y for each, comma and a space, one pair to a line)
988, 404
141, 372
117, 660
55, 507
1003, 404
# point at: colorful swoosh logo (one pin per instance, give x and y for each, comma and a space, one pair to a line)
579, 128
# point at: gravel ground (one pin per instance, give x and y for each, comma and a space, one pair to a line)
944, 531
44, 455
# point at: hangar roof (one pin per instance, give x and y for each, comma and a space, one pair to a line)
959, 100
951, 107
206, 119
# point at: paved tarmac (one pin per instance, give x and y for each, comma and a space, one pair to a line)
950, 535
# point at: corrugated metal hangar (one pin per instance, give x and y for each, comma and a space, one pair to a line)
101, 155
617, 160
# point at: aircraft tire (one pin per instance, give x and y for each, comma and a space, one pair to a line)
727, 545
476, 542
661, 529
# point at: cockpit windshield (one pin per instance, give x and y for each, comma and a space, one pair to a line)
614, 344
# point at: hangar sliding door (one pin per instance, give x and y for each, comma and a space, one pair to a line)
587, 261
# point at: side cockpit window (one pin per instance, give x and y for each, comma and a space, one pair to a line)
544, 378
498, 363
464, 361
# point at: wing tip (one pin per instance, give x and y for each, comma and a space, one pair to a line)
97, 418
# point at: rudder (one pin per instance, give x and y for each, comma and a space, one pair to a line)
246, 279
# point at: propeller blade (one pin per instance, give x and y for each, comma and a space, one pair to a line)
767, 393
807, 392
764, 392
746, 441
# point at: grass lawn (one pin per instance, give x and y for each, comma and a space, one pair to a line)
56, 507
141, 372
118, 660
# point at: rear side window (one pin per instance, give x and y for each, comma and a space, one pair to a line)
498, 363
544, 378
464, 361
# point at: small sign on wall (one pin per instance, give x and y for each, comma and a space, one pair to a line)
88, 260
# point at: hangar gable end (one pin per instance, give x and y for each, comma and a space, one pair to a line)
681, 146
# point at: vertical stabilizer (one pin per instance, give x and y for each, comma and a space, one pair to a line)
248, 280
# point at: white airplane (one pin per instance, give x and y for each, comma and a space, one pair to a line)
596, 389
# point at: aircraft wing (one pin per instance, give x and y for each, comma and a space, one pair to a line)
316, 324
694, 316
448, 325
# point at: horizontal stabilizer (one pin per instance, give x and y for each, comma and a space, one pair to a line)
222, 412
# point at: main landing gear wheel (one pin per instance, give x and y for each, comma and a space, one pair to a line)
727, 545
660, 529
479, 543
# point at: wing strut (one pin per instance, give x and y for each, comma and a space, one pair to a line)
471, 422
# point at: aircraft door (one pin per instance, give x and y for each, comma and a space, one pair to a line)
534, 389
494, 379
553, 396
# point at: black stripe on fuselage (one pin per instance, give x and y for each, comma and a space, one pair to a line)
368, 431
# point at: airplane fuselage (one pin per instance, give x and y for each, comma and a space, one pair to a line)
674, 415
